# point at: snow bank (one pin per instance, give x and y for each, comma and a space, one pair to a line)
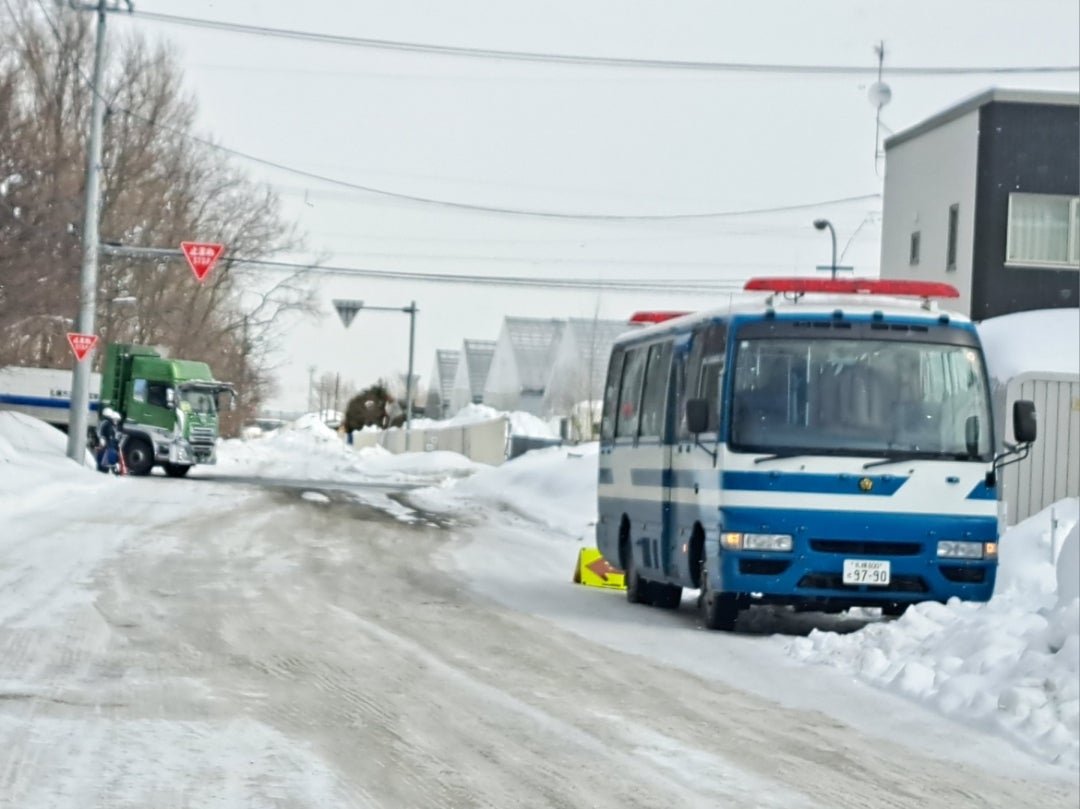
521, 423
555, 487
307, 449
1011, 665
1042, 340
34, 468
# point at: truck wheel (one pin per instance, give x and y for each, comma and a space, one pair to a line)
718, 610
175, 470
894, 609
138, 456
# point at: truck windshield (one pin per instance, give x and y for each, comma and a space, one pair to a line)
201, 401
860, 397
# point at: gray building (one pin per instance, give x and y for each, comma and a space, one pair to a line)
522, 363
441, 384
984, 196
472, 372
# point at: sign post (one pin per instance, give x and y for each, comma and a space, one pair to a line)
201, 257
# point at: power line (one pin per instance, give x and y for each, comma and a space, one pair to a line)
466, 206
578, 59
476, 208
611, 285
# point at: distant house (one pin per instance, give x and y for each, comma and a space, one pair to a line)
472, 370
522, 362
580, 365
441, 384
985, 195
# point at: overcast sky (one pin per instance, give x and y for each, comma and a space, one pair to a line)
575, 139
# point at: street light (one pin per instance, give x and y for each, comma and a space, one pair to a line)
821, 224
347, 310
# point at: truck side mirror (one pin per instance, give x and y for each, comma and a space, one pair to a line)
1025, 427
697, 416
170, 398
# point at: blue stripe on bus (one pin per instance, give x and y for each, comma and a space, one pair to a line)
40, 401
982, 492
880, 485
795, 482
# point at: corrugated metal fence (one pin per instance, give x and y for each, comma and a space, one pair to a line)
1052, 469
485, 441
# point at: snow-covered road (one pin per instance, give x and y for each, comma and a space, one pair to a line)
302, 648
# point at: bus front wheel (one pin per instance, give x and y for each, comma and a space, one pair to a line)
718, 610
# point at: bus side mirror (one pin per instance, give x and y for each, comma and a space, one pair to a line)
697, 416
1025, 427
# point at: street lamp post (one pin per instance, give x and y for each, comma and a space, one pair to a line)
821, 224
347, 310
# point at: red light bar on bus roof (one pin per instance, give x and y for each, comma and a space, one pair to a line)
655, 317
854, 286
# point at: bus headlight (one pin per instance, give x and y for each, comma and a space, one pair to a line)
952, 549
733, 541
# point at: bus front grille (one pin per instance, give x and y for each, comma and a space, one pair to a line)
835, 581
860, 547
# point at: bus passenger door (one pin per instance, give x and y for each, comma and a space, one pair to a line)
654, 463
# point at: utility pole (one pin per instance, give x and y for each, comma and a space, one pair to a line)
80, 385
409, 380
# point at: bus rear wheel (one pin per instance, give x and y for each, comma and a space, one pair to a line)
666, 596
638, 590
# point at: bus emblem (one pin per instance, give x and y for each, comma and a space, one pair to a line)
866, 484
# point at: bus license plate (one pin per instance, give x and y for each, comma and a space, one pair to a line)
866, 571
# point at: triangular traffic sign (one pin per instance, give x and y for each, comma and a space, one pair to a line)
347, 310
81, 344
201, 256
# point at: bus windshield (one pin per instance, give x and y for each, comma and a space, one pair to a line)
860, 397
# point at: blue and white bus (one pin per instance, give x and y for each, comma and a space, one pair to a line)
823, 455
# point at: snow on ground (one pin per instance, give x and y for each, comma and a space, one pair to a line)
521, 423
309, 450
1010, 666
34, 469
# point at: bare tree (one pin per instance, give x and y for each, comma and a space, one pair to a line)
160, 185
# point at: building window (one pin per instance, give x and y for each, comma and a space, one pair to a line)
954, 226
913, 257
1044, 230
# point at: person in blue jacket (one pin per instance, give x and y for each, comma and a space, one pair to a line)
108, 440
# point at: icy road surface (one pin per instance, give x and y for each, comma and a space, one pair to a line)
298, 648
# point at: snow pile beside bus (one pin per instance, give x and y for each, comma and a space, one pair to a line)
1012, 664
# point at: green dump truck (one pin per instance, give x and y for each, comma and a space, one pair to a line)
168, 408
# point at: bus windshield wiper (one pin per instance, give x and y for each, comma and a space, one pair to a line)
779, 456
899, 458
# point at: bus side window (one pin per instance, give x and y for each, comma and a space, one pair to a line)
656, 384
689, 387
611, 396
626, 420
712, 372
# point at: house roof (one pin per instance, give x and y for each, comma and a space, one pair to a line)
533, 341
477, 355
446, 362
998, 94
